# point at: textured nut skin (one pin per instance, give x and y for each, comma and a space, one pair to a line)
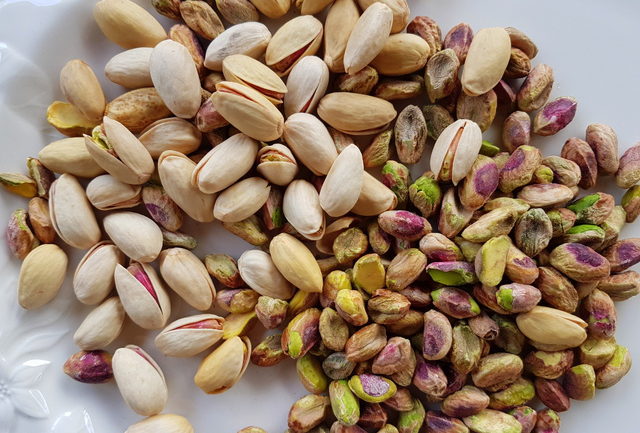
516, 130
604, 142
580, 382
548, 365
535, 90
481, 108
410, 134
554, 116
459, 39
628, 173
579, 262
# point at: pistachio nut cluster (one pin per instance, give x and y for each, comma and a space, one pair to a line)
484, 282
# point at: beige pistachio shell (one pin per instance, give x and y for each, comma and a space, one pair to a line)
185, 273
131, 163
105, 192
400, 10
69, 155
241, 200
145, 309
307, 84
140, 380
187, 337
260, 273
368, 37
176, 171
374, 198
175, 77
224, 366
279, 172
81, 88
341, 19
546, 325
302, 209
93, 278
166, 423
225, 164
128, 24
296, 263
250, 39
312, 7
356, 114
402, 53
300, 33
136, 235
41, 276
248, 110
130, 68
173, 133
341, 188
487, 59
101, 326
272, 8
71, 213
464, 138
311, 142
252, 73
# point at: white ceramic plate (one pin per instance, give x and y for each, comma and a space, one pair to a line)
590, 44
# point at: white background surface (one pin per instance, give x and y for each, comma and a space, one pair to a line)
592, 46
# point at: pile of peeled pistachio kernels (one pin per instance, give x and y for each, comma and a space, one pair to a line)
484, 283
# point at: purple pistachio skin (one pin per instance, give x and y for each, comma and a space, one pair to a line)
526, 416
579, 262
372, 416
518, 298
555, 116
623, 254
520, 167
89, 367
520, 268
404, 225
580, 152
628, 173
438, 422
455, 303
536, 88
430, 379
551, 394
600, 314
437, 335
516, 130
480, 183
507, 97
438, 248
459, 39
547, 421
456, 380
466, 402
604, 142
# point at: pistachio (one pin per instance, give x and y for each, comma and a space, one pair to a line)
81, 88
437, 119
518, 298
497, 222
325, 244
249, 38
248, 110
238, 324
557, 290
484, 326
297, 38
397, 90
452, 273
68, 119
270, 312
466, 349
140, 380
535, 90
259, 272
202, 19
237, 11
404, 225
223, 367
620, 286
350, 306
372, 388
187, 37
241, 200
410, 134
437, 335
130, 68
341, 19
137, 109
631, 203
361, 82
310, 141
455, 303
105, 192
453, 216
169, 422
401, 54
374, 198
466, 402
302, 333
410, 421
268, 352
337, 367
341, 188
170, 134
89, 367
356, 114
405, 268
628, 173
554, 116
482, 72
252, 73
549, 326
136, 235
20, 237
425, 194
481, 108
579, 382
307, 84
549, 365
516, 130
369, 273
526, 416
128, 24
188, 277
41, 175
365, 343
439, 248
41, 276
368, 37
308, 412
615, 369
344, 403
455, 150
459, 39
296, 263
623, 254
71, 213
490, 263
101, 326
190, 335
492, 421
480, 183
142, 295
579, 262
516, 394
545, 195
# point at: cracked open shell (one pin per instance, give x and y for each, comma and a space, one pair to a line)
277, 164
143, 295
252, 73
119, 152
356, 114
224, 366
71, 213
307, 84
225, 164
173, 133
191, 335
248, 110
176, 171
301, 207
456, 150
107, 193
250, 39
296, 39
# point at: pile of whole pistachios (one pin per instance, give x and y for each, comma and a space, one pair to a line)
511, 298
